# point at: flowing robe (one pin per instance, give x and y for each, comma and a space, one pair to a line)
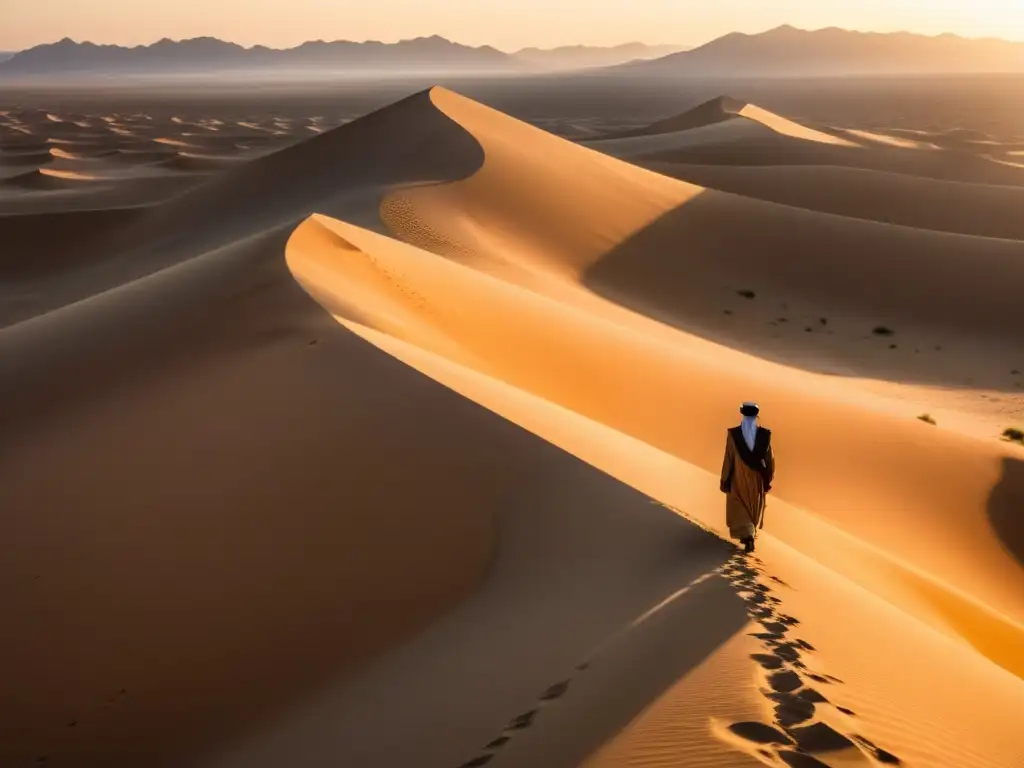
746, 478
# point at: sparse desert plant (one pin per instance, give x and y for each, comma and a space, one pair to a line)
881, 330
746, 294
927, 419
1014, 435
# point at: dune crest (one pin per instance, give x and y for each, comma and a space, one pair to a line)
788, 128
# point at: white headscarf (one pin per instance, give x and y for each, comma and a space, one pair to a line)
749, 427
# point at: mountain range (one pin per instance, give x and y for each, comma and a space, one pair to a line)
781, 52
786, 51
208, 54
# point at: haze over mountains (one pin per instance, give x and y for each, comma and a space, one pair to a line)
580, 56
781, 52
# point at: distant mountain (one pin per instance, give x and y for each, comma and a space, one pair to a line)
787, 51
781, 52
581, 56
208, 54
5, 55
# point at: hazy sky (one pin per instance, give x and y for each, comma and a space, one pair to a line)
506, 24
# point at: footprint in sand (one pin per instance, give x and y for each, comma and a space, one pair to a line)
785, 681
759, 733
767, 660
794, 738
555, 691
524, 720
520, 722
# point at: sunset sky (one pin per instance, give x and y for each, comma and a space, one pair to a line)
506, 24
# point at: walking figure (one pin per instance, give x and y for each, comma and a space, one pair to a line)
747, 474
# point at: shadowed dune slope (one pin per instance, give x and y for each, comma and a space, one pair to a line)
38, 245
233, 500
710, 112
957, 207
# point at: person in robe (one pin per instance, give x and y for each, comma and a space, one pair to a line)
747, 474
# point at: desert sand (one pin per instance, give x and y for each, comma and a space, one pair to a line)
395, 441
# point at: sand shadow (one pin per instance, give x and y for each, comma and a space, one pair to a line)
610, 688
695, 267
1006, 507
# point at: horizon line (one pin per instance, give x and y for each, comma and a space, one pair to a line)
690, 46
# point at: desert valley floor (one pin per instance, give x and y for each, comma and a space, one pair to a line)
386, 431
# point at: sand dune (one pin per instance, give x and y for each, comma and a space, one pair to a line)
13, 159
747, 135
399, 445
709, 113
64, 154
186, 161
747, 120
132, 626
120, 151
172, 142
49, 179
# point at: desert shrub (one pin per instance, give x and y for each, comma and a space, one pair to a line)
927, 419
1014, 435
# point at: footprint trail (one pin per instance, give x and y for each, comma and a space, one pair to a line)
796, 737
